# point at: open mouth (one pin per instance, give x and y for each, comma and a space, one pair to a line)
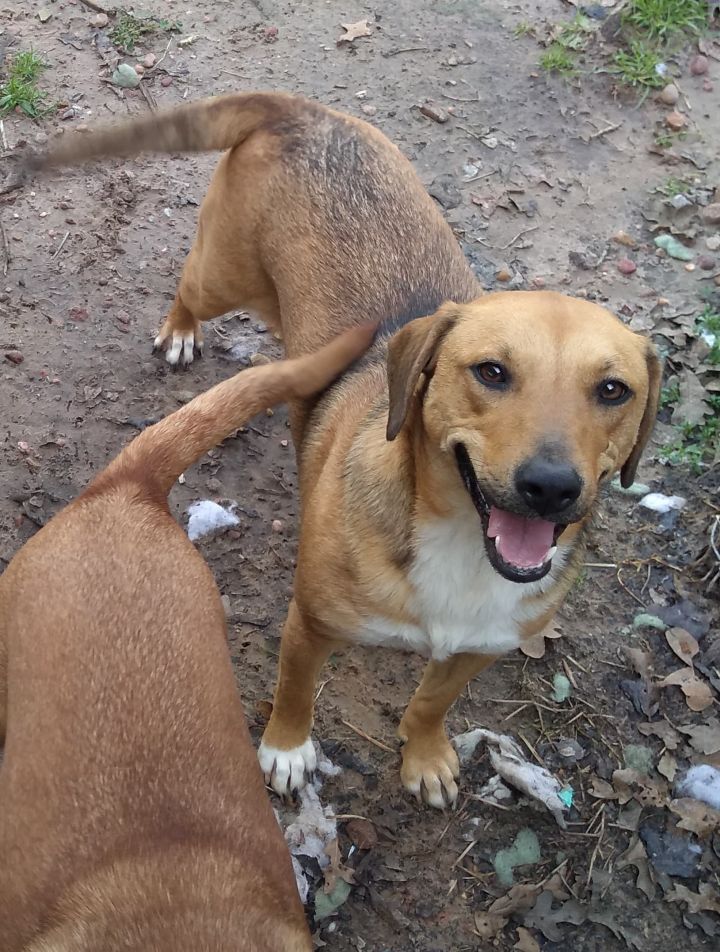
520, 549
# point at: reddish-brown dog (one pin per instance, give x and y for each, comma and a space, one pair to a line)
445, 481
133, 814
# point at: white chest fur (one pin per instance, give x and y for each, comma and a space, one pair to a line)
459, 600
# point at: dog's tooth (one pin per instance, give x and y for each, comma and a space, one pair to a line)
551, 553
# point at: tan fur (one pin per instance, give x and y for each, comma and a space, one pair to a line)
316, 221
132, 809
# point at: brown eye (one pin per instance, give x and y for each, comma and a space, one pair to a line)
613, 391
492, 375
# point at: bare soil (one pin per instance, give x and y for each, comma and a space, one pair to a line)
90, 261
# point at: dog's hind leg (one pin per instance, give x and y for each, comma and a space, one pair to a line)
3, 667
430, 766
287, 756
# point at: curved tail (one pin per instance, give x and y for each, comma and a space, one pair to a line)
206, 126
161, 453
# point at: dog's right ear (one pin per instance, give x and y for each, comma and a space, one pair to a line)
411, 352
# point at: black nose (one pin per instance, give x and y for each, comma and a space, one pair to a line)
548, 487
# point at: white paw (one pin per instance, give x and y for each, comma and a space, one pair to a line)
180, 349
287, 770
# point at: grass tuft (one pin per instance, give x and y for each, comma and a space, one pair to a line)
20, 89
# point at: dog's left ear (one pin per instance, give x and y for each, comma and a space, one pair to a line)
411, 352
654, 367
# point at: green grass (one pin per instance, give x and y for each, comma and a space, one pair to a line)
669, 395
637, 66
556, 59
709, 323
659, 20
20, 90
523, 28
576, 34
130, 29
673, 186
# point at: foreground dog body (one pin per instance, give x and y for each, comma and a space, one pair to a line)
446, 479
133, 814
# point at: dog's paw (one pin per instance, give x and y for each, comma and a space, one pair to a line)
430, 769
181, 347
287, 770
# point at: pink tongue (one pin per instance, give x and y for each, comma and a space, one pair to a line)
524, 543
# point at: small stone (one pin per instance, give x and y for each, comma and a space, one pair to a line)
503, 275
44, 14
708, 86
706, 263
277, 525
675, 121
269, 412
226, 605
258, 360
690, 266
213, 484
368, 109
538, 282
270, 34
711, 213
14, 356
166, 81
712, 243
434, 112
125, 76
622, 238
699, 65
139, 69
669, 95
284, 444
100, 21
184, 396
626, 266
149, 61
716, 280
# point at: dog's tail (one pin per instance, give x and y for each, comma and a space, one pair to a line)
161, 453
208, 125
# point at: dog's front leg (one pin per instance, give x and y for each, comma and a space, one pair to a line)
430, 766
287, 756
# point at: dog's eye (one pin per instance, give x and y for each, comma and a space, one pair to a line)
613, 391
491, 374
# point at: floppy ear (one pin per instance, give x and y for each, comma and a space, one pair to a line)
654, 366
412, 351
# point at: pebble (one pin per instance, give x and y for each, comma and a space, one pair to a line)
149, 61
284, 444
711, 213
538, 282
166, 81
503, 275
277, 525
258, 360
139, 69
699, 65
434, 112
690, 266
675, 121
669, 95
368, 109
100, 21
708, 85
14, 356
125, 76
706, 263
712, 243
626, 266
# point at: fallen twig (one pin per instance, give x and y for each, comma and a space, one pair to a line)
367, 737
6, 249
60, 246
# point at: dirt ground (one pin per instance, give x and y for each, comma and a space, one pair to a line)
536, 175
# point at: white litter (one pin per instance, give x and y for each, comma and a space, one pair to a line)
659, 502
206, 517
702, 783
508, 759
314, 829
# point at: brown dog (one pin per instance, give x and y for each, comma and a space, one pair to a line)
132, 809
446, 480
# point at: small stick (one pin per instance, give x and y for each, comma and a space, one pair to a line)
407, 49
155, 66
152, 105
231, 72
525, 231
462, 98
468, 131
3, 137
367, 737
60, 246
463, 854
6, 249
611, 127
96, 7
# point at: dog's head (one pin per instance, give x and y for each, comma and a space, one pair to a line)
534, 399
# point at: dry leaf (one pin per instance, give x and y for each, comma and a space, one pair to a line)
636, 855
519, 898
354, 31
666, 732
682, 643
602, 790
698, 694
706, 900
545, 919
704, 738
487, 925
667, 766
534, 647
640, 660
631, 784
695, 816
526, 942
362, 833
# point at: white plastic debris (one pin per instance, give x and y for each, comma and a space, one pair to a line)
206, 516
702, 783
659, 502
508, 759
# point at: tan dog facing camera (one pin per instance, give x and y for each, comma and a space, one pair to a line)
133, 814
446, 478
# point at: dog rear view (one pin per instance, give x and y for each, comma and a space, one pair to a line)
133, 813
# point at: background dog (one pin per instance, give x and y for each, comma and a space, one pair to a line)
132, 809
446, 479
